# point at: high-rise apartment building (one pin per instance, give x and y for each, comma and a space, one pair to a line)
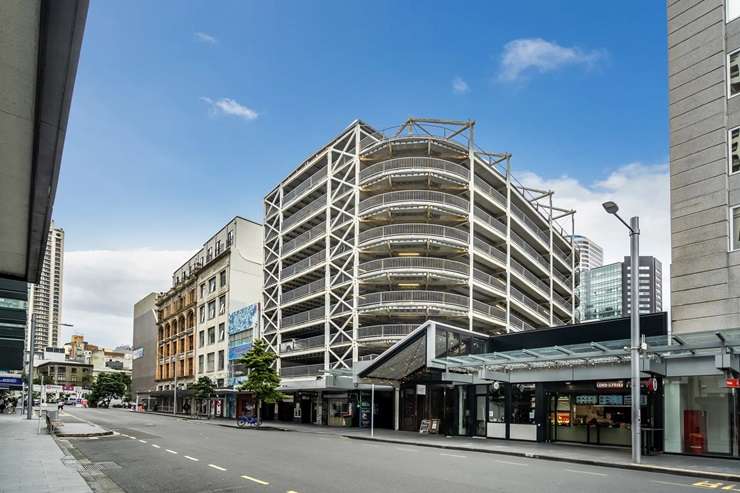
376, 233
704, 84
605, 291
45, 297
203, 310
591, 255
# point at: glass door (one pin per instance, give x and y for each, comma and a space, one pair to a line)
480, 415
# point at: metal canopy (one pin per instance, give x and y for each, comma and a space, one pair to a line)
602, 352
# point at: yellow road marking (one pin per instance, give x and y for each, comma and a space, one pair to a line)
258, 481
216, 467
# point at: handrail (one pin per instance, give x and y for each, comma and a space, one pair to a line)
301, 370
488, 279
390, 297
293, 345
308, 262
306, 184
523, 298
382, 331
418, 163
304, 212
486, 217
489, 249
416, 197
305, 290
522, 243
420, 263
519, 324
302, 317
492, 311
500, 198
313, 233
520, 269
421, 229
530, 224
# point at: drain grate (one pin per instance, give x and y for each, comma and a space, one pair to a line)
100, 466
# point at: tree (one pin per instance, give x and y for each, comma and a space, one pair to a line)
86, 380
108, 386
203, 388
262, 379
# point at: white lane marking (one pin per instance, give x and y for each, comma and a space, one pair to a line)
142, 441
672, 484
92, 438
587, 472
258, 481
124, 435
170, 451
216, 467
510, 463
323, 438
190, 458
132, 438
155, 445
406, 449
454, 455
371, 445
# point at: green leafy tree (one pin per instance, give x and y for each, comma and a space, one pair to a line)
86, 380
203, 389
262, 379
108, 386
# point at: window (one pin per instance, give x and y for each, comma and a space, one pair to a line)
222, 305
522, 404
229, 238
221, 360
210, 362
202, 313
201, 338
221, 331
200, 363
203, 290
222, 276
212, 284
211, 335
732, 10
218, 247
733, 139
211, 309
733, 73
735, 228
209, 254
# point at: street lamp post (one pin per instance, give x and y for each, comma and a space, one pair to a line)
634, 229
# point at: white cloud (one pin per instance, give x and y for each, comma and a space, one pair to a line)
523, 56
205, 38
639, 190
459, 86
101, 287
227, 106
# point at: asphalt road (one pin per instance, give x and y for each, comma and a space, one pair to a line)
162, 454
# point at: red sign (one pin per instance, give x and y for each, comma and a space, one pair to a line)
68, 388
732, 383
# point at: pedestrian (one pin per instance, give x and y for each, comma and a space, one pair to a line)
60, 405
2, 406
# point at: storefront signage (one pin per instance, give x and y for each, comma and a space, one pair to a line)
421, 389
732, 383
424, 426
586, 399
611, 400
614, 384
137, 353
14, 381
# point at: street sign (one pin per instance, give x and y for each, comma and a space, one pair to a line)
732, 383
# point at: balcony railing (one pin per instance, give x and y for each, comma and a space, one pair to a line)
530, 251
529, 276
301, 371
519, 325
489, 249
305, 290
297, 242
307, 184
489, 280
530, 224
305, 264
413, 296
532, 304
423, 264
415, 198
422, 230
490, 310
295, 345
302, 317
494, 194
385, 331
414, 164
304, 212
489, 219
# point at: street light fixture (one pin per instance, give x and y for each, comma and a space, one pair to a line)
634, 229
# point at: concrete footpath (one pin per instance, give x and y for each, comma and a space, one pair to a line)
75, 427
32, 461
692, 466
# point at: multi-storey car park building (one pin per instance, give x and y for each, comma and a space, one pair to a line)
377, 232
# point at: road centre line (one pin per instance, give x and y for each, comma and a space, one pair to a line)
454, 455
142, 441
190, 458
155, 445
586, 472
510, 463
170, 451
258, 481
216, 467
670, 483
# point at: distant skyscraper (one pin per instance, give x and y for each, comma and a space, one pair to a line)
591, 254
45, 298
605, 291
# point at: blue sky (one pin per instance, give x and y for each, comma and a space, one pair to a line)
187, 113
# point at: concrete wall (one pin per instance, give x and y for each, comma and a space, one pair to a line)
705, 275
145, 337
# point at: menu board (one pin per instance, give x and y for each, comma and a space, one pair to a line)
611, 400
586, 399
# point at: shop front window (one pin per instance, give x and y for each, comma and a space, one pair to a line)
522, 404
697, 415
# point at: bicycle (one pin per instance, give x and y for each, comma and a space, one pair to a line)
246, 421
